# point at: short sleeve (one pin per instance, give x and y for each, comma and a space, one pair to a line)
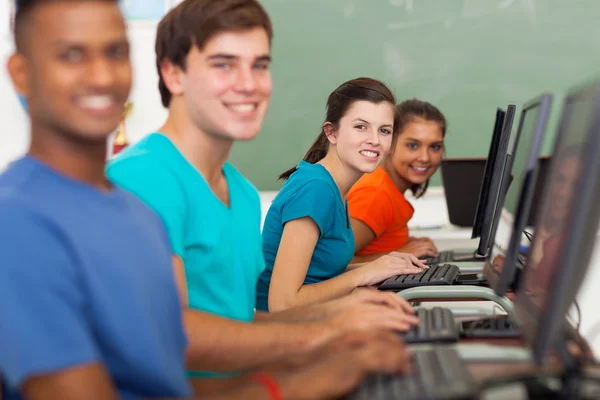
316, 200
43, 318
156, 186
373, 207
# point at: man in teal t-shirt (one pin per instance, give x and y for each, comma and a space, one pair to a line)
216, 84
218, 243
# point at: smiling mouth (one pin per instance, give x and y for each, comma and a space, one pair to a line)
243, 109
369, 154
98, 103
420, 170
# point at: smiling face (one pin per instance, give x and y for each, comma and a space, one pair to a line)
73, 68
364, 135
418, 152
226, 85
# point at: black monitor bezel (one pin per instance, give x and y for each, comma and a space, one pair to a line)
487, 233
501, 282
581, 229
488, 171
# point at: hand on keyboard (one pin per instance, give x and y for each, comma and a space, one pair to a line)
420, 247
386, 266
366, 316
340, 366
373, 296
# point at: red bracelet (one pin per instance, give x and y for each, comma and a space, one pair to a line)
269, 383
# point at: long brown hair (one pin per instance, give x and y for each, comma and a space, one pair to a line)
338, 103
412, 109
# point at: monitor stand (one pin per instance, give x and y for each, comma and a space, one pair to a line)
570, 384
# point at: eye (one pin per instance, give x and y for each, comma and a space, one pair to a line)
360, 127
261, 66
412, 146
72, 55
223, 66
437, 147
385, 131
119, 53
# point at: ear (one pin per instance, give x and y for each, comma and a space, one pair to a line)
330, 132
18, 70
172, 76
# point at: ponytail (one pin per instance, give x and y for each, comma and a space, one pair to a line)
316, 153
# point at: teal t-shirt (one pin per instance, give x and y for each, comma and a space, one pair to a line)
309, 192
220, 246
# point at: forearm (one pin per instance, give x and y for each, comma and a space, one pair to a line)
311, 312
220, 345
362, 259
250, 391
319, 292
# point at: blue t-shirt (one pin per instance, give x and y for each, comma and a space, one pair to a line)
220, 246
309, 192
86, 277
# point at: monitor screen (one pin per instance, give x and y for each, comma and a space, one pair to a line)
502, 260
493, 193
565, 230
487, 173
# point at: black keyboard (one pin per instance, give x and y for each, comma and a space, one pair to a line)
499, 326
443, 257
435, 325
452, 256
437, 374
443, 274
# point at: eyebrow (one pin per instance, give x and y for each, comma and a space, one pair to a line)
60, 43
223, 56
367, 122
418, 141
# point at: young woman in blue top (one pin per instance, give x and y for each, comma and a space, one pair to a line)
307, 237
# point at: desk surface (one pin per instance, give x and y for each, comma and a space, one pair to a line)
483, 372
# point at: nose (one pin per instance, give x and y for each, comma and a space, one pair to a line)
374, 138
424, 154
101, 74
245, 82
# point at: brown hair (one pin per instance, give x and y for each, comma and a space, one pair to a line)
194, 22
338, 103
412, 109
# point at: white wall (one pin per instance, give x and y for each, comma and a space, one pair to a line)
148, 113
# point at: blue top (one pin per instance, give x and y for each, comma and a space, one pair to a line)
86, 277
309, 192
220, 246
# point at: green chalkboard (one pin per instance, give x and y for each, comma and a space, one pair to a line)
465, 56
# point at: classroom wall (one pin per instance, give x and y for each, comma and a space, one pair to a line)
466, 56
148, 113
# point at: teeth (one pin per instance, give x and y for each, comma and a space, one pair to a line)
243, 107
369, 153
96, 102
420, 169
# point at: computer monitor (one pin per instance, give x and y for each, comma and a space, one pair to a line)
488, 171
524, 168
493, 192
565, 231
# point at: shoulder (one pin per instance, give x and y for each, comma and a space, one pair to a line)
148, 172
311, 189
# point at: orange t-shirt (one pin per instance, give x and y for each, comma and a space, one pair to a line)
377, 202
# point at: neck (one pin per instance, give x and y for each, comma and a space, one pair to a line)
76, 159
402, 184
343, 176
206, 153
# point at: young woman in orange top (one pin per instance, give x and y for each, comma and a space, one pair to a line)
378, 209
